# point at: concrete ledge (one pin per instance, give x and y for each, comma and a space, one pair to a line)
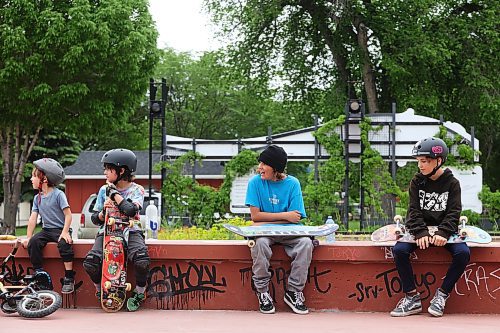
346, 276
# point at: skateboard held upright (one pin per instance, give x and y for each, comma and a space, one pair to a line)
114, 264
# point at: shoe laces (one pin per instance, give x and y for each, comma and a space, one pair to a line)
439, 301
299, 297
265, 298
403, 302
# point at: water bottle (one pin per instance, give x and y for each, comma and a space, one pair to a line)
331, 237
152, 225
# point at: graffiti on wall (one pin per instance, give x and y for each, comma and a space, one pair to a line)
475, 279
175, 286
279, 279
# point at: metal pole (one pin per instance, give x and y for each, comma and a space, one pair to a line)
361, 187
393, 158
269, 138
194, 164
164, 99
346, 180
152, 96
316, 151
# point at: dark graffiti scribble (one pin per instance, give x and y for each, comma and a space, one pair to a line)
279, 278
174, 287
390, 284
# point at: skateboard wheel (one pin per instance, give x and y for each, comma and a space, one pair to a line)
107, 284
464, 219
398, 218
111, 221
251, 243
128, 287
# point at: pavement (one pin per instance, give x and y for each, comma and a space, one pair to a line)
176, 321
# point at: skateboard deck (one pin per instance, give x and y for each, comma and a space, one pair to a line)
282, 230
114, 284
397, 232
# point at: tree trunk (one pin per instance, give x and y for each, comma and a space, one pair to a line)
16, 147
367, 67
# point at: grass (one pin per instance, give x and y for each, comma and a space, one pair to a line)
21, 231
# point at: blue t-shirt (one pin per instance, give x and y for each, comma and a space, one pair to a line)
275, 196
134, 192
51, 208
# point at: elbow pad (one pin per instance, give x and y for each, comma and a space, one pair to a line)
127, 208
95, 219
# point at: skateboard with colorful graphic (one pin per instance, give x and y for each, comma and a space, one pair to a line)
282, 230
114, 284
398, 232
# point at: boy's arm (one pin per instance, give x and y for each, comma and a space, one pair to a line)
449, 224
31, 228
415, 222
67, 224
293, 216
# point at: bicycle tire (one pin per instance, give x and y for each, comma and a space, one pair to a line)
40, 304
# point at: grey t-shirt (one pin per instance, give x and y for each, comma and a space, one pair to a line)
51, 208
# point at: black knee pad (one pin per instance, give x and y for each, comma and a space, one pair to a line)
65, 250
92, 265
141, 262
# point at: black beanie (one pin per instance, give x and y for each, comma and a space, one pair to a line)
275, 157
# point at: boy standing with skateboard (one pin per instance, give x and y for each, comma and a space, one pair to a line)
121, 192
52, 205
275, 197
435, 200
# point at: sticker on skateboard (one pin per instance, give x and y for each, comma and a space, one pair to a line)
282, 230
398, 232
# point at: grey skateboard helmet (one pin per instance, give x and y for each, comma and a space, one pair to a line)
431, 147
52, 170
121, 158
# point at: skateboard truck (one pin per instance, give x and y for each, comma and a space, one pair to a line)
399, 231
128, 223
463, 231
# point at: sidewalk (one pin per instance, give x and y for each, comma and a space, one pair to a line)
151, 321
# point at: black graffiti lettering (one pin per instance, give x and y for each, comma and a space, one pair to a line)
279, 278
391, 285
168, 284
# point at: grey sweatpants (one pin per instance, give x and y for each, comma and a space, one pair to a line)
299, 249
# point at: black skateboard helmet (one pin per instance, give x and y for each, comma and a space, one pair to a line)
121, 158
431, 147
51, 169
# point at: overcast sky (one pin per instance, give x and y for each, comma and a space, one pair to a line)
183, 25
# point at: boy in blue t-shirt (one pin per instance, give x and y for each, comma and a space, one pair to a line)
275, 197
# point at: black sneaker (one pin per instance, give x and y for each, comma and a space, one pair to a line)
265, 303
295, 300
438, 302
408, 305
68, 285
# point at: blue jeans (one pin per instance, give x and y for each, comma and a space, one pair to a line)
459, 251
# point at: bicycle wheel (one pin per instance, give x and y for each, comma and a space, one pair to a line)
39, 304
8, 308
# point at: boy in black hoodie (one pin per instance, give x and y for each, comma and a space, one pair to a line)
435, 200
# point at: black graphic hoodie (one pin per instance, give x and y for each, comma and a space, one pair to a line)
434, 203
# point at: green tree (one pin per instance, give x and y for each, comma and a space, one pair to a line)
78, 66
315, 47
209, 99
